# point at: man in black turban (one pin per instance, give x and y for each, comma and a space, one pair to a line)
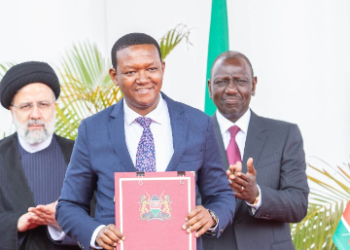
33, 160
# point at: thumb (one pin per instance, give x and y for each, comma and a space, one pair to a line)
250, 166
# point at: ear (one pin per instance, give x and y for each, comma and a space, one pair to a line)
113, 74
163, 66
255, 81
209, 87
12, 113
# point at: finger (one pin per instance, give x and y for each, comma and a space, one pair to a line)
44, 209
196, 223
105, 242
114, 233
193, 212
240, 180
228, 173
107, 239
238, 195
31, 209
101, 242
250, 166
204, 224
202, 230
238, 167
239, 189
192, 218
243, 178
235, 168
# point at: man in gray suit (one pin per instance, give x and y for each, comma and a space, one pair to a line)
272, 192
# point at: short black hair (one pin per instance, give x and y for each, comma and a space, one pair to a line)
130, 40
233, 54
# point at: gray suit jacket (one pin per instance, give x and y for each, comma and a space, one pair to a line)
277, 150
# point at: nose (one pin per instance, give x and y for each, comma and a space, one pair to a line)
143, 77
35, 113
231, 87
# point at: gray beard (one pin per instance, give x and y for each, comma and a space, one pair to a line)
35, 136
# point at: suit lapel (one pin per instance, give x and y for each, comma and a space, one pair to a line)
117, 135
179, 130
255, 140
18, 183
254, 144
220, 141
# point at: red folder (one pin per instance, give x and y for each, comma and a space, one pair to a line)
151, 207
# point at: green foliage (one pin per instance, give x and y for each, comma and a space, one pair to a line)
86, 88
172, 38
4, 67
326, 206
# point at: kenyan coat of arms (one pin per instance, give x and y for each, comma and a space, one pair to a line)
155, 207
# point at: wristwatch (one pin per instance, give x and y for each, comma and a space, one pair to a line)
257, 198
216, 219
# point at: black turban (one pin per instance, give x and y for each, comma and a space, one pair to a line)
23, 74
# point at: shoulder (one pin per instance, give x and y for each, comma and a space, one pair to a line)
273, 127
5, 142
64, 141
192, 113
103, 115
272, 123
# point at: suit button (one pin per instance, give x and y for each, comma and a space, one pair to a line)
265, 216
238, 220
222, 231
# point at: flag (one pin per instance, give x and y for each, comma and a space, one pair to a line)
218, 43
341, 237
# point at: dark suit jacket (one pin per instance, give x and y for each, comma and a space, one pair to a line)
277, 150
100, 150
16, 197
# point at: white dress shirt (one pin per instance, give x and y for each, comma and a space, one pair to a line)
163, 140
160, 128
241, 136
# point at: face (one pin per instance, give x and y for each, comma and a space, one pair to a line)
139, 75
231, 87
33, 112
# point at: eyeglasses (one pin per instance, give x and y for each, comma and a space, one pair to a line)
26, 107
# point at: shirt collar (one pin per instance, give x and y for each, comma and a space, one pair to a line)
157, 115
242, 122
33, 148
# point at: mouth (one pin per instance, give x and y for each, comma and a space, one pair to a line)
35, 127
232, 100
143, 90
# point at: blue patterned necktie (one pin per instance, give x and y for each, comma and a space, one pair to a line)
145, 156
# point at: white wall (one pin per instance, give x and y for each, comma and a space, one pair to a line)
300, 52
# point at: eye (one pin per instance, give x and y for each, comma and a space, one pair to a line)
221, 82
152, 69
43, 105
130, 73
26, 106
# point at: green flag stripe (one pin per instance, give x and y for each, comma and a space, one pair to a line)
218, 43
341, 237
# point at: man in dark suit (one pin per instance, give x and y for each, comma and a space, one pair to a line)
33, 161
272, 192
180, 138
